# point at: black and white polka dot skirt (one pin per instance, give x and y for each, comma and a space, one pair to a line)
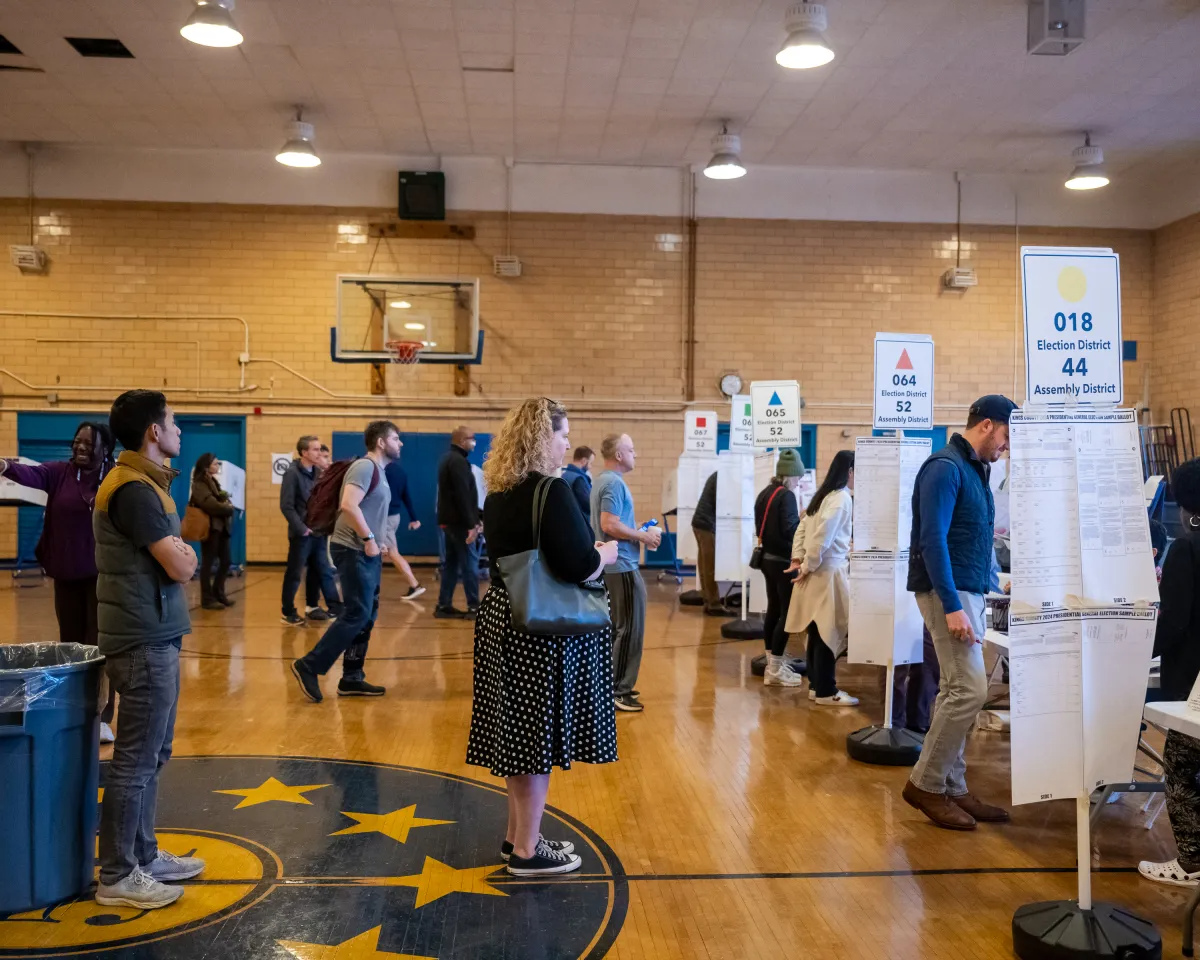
540, 702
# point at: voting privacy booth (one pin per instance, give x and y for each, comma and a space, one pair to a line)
1081, 629
885, 624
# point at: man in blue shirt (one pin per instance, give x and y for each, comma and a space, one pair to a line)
612, 515
398, 482
950, 566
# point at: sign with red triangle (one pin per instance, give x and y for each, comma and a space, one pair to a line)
904, 363
903, 382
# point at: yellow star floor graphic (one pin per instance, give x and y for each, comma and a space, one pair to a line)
272, 789
363, 947
395, 824
438, 879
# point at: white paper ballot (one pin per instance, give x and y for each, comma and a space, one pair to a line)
885, 469
1079, 524
885, 622
1077, 686
1193, 700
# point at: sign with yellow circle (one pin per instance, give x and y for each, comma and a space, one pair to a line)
1072, 299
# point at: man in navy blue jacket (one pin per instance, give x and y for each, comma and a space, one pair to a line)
580, 480
949, 569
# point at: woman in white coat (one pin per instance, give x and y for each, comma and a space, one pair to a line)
821, 596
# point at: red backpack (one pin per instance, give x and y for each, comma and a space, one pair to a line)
325, 501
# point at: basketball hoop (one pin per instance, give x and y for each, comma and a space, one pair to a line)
405, 352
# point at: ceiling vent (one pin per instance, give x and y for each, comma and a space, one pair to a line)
100, 47
1055, 26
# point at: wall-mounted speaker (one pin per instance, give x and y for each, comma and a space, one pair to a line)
422, 195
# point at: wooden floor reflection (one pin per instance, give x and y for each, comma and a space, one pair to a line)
743, 828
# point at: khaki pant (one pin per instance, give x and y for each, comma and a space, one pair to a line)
706, 548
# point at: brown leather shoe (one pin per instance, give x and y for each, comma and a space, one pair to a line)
939, 808
983, 812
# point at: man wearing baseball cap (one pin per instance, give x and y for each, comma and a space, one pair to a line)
950, 555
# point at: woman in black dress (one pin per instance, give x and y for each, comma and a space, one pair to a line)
539, 702
1177, 641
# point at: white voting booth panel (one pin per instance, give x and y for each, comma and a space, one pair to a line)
884, 471
1077, 687
682, 495
737, 475
885, 623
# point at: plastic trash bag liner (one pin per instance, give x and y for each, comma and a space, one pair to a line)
33, 675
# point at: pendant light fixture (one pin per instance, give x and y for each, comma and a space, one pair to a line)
1089, 172
726, 164
211, 24
805, 46
299, 150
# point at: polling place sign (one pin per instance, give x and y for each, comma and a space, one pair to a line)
903, 381
1072, 298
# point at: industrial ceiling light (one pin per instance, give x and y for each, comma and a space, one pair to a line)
299, 150
1089, 172
400, 304
805, 46
211, 24
725, 164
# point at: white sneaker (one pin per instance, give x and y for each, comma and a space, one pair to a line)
839, 699
167, 867
785, 676
812, 694
1169, 872
106, 734
138, 890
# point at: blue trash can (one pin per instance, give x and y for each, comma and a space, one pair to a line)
49, 768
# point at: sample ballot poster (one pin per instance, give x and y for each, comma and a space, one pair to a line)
1077, 687
903, 382
1079, 525
1072, 301
885, 469
885, 622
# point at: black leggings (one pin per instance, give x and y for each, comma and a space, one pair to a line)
821, 662
214, 550
75, 608
779, 598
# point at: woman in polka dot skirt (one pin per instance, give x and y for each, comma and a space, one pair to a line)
539, 702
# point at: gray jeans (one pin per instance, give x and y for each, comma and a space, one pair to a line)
961, 695
147, 678
627, 605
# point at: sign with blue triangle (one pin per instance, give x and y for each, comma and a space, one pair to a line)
775, 413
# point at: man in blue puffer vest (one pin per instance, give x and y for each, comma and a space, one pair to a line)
949, 568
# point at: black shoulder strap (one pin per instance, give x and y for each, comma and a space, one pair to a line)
540, 495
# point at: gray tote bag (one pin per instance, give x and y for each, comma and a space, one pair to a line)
543, 605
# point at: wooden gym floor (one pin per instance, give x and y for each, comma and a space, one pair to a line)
734, 825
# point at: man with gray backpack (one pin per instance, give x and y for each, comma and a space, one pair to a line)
356, 526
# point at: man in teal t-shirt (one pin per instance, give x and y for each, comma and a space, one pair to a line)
613, 518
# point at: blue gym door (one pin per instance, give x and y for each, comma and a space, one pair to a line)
225, 437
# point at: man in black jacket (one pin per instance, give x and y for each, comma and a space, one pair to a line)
458, 516
704, 529
304, 547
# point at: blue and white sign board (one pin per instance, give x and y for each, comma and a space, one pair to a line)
700, 431
775, 411
1072, 300
741, 424
903, 381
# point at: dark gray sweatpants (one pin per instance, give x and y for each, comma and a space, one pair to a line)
627, 606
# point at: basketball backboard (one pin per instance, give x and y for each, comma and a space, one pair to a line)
442, 314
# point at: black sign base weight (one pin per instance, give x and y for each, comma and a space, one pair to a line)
1060, 930
885, 746
751, 629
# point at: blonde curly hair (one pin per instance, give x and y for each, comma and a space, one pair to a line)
523, 444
